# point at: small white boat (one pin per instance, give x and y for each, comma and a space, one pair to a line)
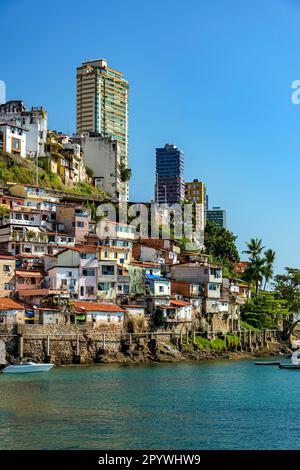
296, 358
27, 367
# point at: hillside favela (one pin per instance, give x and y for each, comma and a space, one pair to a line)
88, 276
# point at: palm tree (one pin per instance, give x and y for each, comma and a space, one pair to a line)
255, 272
270, 256
254, 248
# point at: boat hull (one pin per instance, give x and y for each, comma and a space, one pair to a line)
267, 363
27, 369
289, 366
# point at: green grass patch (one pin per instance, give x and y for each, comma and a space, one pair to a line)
247, 326
14, 169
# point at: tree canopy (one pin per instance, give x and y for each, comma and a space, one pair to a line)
220, 243
264, 311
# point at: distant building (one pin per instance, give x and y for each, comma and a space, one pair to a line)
169, 186
195, 191
103, 156
33, 121
102, 106
217, 215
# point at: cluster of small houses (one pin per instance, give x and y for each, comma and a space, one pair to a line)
58, 266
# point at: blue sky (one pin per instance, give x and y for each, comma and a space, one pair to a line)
212, 76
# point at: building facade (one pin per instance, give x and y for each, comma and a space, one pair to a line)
102, 105
33, 121
169, 186
217, 215
103, 156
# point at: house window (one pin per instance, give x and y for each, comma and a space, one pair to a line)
103, 286
120, 287
6, 268
21, 280
80, 224
83, 256
88, 272
161, 288
81, 290
106, 254
108, 270
32, 280
69, 273
64, 282
7, 286
212, 286
90, 290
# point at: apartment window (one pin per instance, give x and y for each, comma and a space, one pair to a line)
88, 272
116, 255
106, 254
6, 268
83, 256
90, 290
21, 280
81, 290
69, 273
32, 280
80, 224
108, 270
120, 287
64, 282
8, 286
212, 286
103, 286
161, 288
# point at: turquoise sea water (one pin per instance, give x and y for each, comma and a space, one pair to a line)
210, 405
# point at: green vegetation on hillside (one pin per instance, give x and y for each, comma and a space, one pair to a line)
14, 169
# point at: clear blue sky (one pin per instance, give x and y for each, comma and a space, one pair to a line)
212, 76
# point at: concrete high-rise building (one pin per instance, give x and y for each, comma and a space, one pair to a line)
102, 106
169, 186
217, 215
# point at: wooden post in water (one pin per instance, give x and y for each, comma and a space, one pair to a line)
21, 346
130, 339
103, 342
180, 341
187, 336
250, 341
48, 356
194, 337
76, 358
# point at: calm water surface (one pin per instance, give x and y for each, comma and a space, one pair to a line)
211, 405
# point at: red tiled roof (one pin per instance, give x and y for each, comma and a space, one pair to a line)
37, 292
97, 307
6, 256
179, 303
142, 264
84, 248
9, 304
113, 248
26, 273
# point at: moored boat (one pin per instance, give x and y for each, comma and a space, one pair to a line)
267, 363
27, 367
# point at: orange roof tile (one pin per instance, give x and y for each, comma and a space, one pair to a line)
179, 303
97, 307
9, 304
26, 273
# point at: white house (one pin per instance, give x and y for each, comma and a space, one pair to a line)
12, 139
99, 312
11, 312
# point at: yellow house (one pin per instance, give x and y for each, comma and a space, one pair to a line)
121, 255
